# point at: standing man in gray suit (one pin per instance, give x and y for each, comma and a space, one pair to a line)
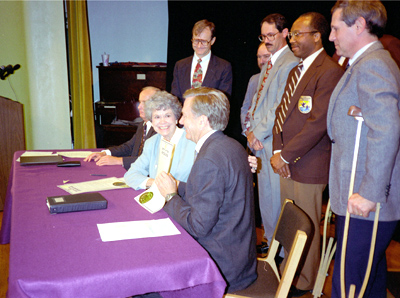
216, 204
372, 83
261, 115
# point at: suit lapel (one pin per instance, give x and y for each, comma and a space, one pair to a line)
203, 149
271, 76
345, 78
210, 72
187, 79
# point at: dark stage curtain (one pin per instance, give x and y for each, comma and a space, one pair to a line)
237, 28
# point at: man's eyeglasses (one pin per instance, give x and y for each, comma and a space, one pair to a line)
202, 41
269, 36
263, 56
296, 34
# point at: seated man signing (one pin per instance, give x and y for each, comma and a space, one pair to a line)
128, 152
216, 203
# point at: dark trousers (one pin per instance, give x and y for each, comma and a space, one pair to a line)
357, 252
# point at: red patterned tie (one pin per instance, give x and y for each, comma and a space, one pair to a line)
197, 75
287, 95
247, 119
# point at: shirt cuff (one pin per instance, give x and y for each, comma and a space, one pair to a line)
143, 184
108, 152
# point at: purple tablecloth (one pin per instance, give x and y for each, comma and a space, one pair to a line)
62, 255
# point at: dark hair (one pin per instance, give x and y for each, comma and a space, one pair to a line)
277, 19
318, 23
201, 25
373, 12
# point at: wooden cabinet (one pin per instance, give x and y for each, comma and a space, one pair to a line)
120, 85
12, 136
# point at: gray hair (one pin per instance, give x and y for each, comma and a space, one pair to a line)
212, 103
373, 12
162, 100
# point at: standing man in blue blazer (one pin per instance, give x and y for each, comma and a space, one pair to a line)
216, 203
214, 72
372, 83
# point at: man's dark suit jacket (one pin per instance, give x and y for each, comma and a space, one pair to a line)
129, 151
216, 207
218, 76
304, 141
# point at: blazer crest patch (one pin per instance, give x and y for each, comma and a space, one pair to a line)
305, 104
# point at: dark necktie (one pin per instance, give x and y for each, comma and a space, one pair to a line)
143, 139
197, 75
287, 95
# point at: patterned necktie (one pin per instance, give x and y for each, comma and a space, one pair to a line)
197, 75
247, 119
289, 90
143, 139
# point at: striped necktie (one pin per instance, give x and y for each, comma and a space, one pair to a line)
287, 95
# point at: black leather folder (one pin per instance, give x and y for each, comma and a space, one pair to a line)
77, 202
40, 160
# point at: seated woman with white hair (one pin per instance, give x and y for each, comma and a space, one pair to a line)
164, 110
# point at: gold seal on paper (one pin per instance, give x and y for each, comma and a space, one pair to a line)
144, 198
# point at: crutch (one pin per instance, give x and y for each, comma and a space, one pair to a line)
326, 256
356, 113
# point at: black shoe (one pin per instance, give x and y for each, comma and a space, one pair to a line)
295, 292
262, 248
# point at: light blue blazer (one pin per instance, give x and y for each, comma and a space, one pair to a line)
146, 165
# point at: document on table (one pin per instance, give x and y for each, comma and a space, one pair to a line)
94, 185
38, 153
74, 154
137, 229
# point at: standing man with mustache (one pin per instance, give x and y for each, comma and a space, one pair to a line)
301, 145
259, 120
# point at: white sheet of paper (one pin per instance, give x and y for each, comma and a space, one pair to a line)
74, 154
94, 185
137, 229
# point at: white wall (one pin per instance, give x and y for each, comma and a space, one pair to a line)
135, 31
48, 76
32, 34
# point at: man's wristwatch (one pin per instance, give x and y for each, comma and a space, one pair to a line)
169, 196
